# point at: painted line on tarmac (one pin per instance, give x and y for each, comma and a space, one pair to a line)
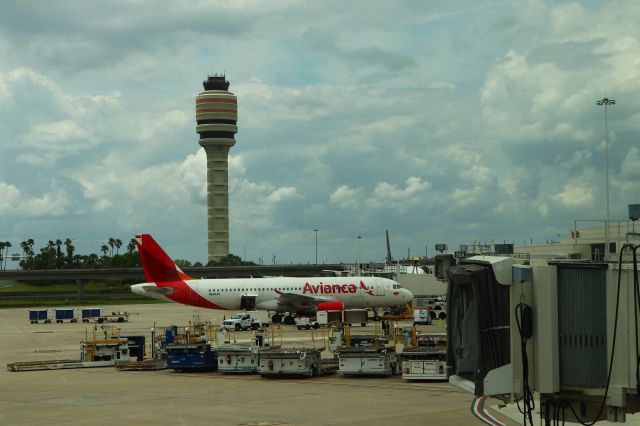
442, 387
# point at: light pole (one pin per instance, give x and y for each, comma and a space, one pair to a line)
359, 237
316, 231
606, 102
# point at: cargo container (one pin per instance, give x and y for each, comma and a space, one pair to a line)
65, 314
37, 315
88, 314
298, 362
424, 363
329, 317
238, 359
366, 361
356, 316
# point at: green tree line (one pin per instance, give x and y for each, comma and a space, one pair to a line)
61, 254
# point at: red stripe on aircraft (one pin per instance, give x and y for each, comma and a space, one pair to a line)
184, 294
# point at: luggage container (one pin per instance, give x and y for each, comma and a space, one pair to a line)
356, 316
297, 362
37, 315
423, 363
88, 314
238, 359
63, 314
329, 317
366, 361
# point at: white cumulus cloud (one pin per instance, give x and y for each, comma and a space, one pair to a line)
414, 187
281, 194
346, 197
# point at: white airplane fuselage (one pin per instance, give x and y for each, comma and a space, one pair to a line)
276, 293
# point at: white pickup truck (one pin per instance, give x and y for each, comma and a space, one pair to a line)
247, 320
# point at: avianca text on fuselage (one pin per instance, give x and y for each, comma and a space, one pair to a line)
329, 288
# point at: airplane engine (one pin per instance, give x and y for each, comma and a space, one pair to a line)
330, 306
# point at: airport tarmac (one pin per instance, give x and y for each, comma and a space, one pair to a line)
99, 396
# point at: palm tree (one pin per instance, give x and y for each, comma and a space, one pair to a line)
104, 249
92, 259
59, 259
2, 246
27, 248
131, 247
70, 249
112, 243
76, 260
118, 244
7, 244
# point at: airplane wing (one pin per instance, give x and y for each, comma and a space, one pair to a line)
299, 302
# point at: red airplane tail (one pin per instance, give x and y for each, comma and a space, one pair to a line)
156, 264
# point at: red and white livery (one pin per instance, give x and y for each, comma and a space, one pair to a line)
306, 295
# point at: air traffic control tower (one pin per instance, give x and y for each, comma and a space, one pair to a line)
216, 118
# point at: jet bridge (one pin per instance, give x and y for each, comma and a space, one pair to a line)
566, 330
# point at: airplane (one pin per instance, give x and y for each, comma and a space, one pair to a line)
301, 296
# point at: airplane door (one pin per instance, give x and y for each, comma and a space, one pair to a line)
379, 288
248, 302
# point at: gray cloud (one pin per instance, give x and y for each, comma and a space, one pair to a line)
372, 56
570, 55
352, 120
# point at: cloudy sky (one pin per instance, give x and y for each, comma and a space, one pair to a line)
443, 122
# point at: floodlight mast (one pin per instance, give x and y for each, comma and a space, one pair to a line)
606, 102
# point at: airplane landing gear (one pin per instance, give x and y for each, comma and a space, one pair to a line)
376, 315
289, 320
276, 319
